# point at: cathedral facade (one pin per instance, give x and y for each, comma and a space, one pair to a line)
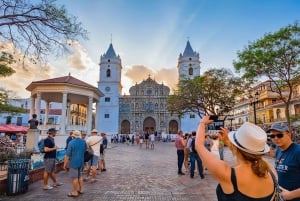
145, 108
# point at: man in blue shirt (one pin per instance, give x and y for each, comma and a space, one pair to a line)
49, 160
74, 160
287, 161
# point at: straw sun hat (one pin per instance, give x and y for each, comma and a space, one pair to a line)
250, 138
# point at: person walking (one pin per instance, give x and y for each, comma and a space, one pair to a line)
179, 144
250, 179
49, 160
94, 142
186, 152
74, 161
194, 157
287, 161
103, 146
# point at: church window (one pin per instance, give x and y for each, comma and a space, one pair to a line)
108, 60
156, 106
190, 71
106, 116
108, 73
149, 91
190, 59
192, 116
107, 99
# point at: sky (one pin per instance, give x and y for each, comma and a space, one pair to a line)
149, 35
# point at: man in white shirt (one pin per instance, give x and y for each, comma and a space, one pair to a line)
94, 141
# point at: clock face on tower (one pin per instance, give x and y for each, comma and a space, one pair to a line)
107, 89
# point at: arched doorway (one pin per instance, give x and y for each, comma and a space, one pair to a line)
173, 127
125, 127
149, 125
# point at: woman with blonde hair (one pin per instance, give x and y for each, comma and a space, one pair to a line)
250, 178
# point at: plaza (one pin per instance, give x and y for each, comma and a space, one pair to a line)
134, 174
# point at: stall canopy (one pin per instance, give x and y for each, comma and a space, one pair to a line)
8, 128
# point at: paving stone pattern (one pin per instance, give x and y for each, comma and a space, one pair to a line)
133, 174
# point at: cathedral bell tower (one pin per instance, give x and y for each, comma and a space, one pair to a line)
110, 85
188, 68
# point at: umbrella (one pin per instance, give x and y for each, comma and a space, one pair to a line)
9, 128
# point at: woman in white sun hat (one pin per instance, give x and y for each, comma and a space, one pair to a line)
249, 179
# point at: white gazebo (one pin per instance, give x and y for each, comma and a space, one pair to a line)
66, 90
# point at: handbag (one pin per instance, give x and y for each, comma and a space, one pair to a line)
277, 192
89, 153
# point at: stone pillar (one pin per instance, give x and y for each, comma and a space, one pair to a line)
38, 106
89, 114
32, 139
63, 114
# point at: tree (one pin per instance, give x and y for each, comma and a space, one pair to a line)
6, 60
4, 106
277, 57
215, 89
38, 27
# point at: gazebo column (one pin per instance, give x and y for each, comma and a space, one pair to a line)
89, 114
96, 116
46, 113
63, 114
32, 106
38, 106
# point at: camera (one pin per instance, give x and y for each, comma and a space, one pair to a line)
218, 122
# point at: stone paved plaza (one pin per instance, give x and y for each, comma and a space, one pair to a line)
133, 174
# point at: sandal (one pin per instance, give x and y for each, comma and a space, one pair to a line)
80, 192
71, 195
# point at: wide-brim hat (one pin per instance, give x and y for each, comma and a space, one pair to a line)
94, 131
76, 134
250, 138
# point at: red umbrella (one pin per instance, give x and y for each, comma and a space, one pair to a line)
9, 128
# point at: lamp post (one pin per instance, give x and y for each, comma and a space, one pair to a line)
230, 118
253, 102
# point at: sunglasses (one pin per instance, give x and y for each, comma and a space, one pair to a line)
279, 135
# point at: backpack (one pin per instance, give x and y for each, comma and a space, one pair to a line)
41, 145
193, 145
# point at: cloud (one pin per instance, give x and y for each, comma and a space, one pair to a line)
79, 59
138, 73
27, 70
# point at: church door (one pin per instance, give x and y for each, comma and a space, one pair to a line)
149, 125
173, 127
125, 127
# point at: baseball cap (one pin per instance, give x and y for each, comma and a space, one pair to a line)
51, 130
278, 126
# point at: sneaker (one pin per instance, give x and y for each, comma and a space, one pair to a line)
181, 173
48, 187
202, 176
57, 184
103, 170
192, 175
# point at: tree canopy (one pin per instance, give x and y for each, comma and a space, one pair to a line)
4, 106
277, 57
38, 27
211, 93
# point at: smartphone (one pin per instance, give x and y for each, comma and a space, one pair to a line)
213, 117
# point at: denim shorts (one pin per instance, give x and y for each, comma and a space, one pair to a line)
94, 161
49, 164
75, 173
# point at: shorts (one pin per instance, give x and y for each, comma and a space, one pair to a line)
102, 156
94, 161
75, 173
49, 164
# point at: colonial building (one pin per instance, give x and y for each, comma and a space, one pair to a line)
144, 110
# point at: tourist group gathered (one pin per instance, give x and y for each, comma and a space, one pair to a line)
250, 178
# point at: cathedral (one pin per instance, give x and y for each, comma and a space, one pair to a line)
144, 109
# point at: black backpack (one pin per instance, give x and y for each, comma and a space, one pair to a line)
193, 145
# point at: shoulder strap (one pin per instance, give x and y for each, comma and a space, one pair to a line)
233, 179
95, 143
